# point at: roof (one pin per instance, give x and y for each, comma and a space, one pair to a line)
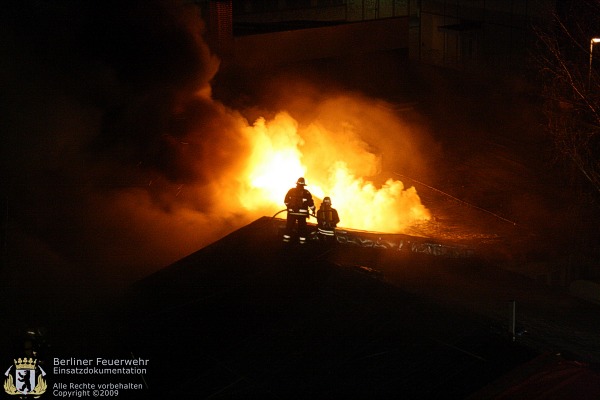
248, 317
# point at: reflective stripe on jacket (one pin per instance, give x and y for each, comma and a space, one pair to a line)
326, 232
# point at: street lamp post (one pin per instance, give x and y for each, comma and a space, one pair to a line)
592, 43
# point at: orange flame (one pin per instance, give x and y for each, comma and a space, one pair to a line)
335, 164
274, 161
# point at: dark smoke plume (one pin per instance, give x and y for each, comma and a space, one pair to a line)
113, 149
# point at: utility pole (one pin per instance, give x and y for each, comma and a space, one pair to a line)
593, 41
513, 320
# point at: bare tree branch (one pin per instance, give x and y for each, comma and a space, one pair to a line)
570, 87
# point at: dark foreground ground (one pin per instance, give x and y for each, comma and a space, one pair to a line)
248, 317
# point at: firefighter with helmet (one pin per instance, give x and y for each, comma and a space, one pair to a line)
298, 201
327, 220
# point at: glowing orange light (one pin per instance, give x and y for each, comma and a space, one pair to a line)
335, 165
273, 163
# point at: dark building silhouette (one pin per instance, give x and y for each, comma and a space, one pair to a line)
472, 35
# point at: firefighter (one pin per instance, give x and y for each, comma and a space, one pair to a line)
298, 201
327, 220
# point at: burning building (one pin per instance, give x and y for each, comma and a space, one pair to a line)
119, 158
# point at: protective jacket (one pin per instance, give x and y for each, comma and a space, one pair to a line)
299, 201
327, 220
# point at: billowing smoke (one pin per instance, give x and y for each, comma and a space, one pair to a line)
112, 146
116, 158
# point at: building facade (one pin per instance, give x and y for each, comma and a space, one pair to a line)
480, 34
460, 34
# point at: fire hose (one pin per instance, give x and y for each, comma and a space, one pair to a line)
285, 209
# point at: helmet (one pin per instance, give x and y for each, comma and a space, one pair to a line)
301, 182
327, 200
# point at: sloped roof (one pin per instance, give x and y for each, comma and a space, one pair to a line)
248, 317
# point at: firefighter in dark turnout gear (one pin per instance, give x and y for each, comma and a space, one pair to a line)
327, 220
298, 201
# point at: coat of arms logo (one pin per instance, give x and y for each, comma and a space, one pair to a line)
26, 380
